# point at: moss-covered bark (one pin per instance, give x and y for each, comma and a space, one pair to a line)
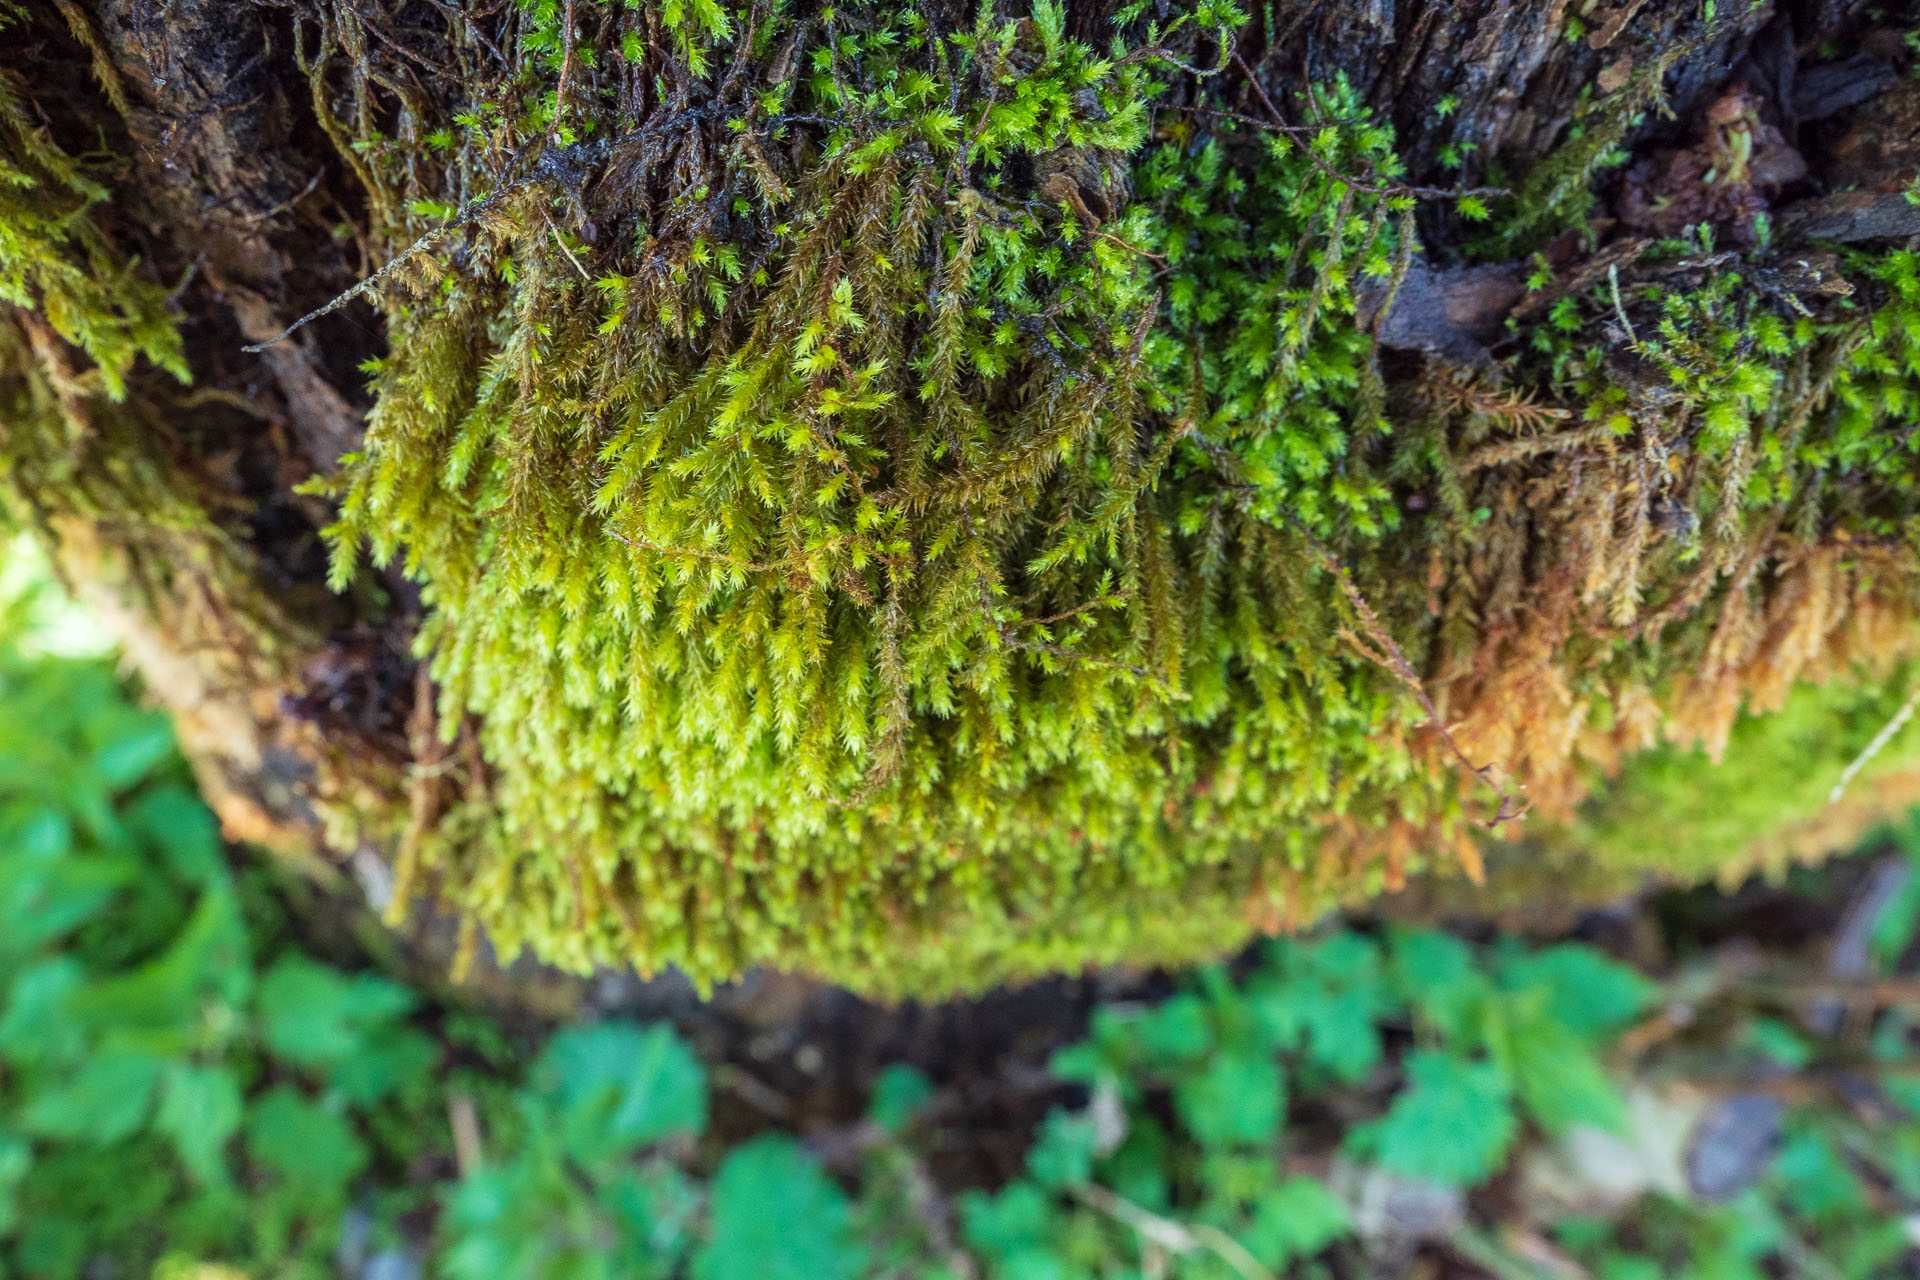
927, 495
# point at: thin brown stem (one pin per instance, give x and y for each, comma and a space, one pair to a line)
566, 65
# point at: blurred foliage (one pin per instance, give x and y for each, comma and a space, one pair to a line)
187, 1090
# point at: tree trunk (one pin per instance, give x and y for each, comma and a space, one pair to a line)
1536, 538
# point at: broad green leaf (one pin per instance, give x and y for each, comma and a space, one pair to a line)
1452, 1124
108, 1099
1062, 1153
1324, 1000
1295, 1220
1560, 1080
46, 895
618, 1087
516, 1217
1008, 1222
314, 1015
776, 1216
205, 962
1178, 1030
126, 760
389, 1061
898, 1094
199, 1110
1139, 1169
1592, 995
1436, 973
312, 1148
1234, 1097
181, 826
656, 1207
37, 1024
1815, 1180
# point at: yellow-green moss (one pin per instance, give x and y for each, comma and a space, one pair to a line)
919, 505
908, 530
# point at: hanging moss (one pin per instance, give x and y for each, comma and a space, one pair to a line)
925, 501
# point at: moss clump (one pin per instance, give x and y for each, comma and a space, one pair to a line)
913, 497
941, 508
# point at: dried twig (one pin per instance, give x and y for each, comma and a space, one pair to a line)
1384, 652
566, 65
1613, 285
1880, 740
467, 212
1174, 1237
465, 1123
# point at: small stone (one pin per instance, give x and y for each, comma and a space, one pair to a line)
1733, 1144
392, 1264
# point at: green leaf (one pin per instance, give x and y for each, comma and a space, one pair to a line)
199, 1110
656, 1206
618, 1087
1176, 1031
167, 996
1632, 1266
179, 824
107, 1100
1452, 1124
126, 760
1295, 1220
313, 1149
1560, 1079
1816, 1181
1011, 1222
314, 1016
48, 892
38, 1024
1062, 1153
1324, 1000
898, 1094
1436, 972
1235, 1097
1592, 995
390, 1061
1774, 1039
16, 1157
776, 1216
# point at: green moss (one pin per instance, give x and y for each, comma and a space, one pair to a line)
916, 502
57, 264
904, 554
1768, 802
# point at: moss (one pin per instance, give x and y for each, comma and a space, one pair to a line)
913, 499
912, 537
1768, 802
58, 267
